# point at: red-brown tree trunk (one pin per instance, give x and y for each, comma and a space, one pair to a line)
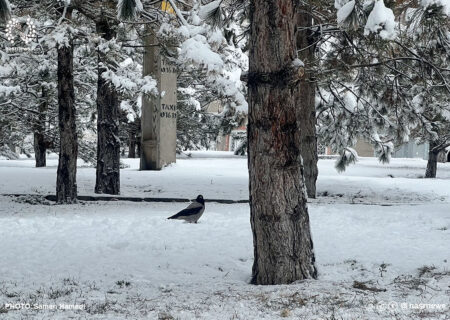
283, 249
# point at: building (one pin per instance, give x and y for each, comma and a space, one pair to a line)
407, 150
228, 142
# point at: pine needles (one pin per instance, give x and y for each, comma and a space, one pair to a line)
347, 157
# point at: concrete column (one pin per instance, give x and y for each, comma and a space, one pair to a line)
159, 114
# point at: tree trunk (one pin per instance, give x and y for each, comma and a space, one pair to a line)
138, 137
40, 150
306, 115
283, 249
108, 143
132, 145
66, 182
432, 161
132, 140
40, 145
138, 147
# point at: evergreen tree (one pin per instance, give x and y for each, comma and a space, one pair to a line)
66, 185
386, 80
283, 247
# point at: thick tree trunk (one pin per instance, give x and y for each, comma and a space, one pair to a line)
283, 249
66, 182
108, 143
40, 145
432, 161
306, 115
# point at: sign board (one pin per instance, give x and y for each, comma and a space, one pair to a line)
159, 114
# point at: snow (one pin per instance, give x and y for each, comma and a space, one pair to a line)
149, 86
298, 63
231, 171
208, 8
445, 4
125, 84
6, 91
205, 49
345, 11
376, 224
196, 50
338, 4
122, 84
61, 36
381, 21
351, 102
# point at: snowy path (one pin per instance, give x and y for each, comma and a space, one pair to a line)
123, 259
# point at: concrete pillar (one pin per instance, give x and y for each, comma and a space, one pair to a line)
159, 114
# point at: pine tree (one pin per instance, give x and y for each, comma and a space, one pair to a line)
279, 215
108, 147
66, 181
306, 116
385, 80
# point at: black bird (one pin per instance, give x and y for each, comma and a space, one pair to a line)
193, 212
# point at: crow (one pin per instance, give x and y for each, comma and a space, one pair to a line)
193, 212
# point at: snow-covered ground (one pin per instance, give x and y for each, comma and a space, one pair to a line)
381, 237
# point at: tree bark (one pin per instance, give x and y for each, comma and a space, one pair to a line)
108, 142
40, 150
40, 145
432, 161
283, 249
66, 182
306, 115
132, 129
132, 145
138, 146
138, 136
